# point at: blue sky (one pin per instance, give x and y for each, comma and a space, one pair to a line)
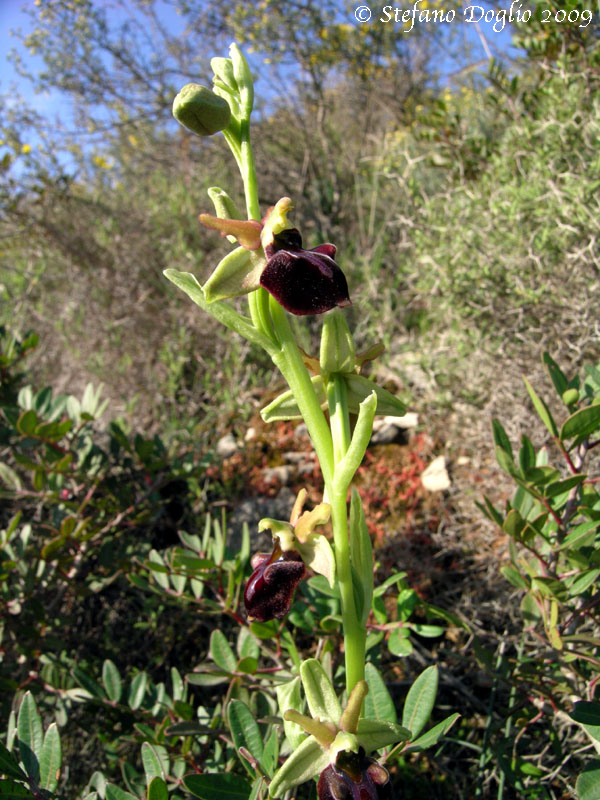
481, 36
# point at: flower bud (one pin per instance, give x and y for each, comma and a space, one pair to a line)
200, 110
224, 77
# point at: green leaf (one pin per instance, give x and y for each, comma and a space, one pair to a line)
222, 786
420, 700
155, 760
587, 714
137, 690
399, 644
9, 477
244, 729
433, 735
361, 554
50, 759
270, 754
157, 789
320, 694
284, 407
374, 734
582, 423
221, 652
221, 311
246, 645
236, 274
501, 439
112, 681
583, 581
526, 454
581, 535
360, 389
114, 792
27, 423
378, 704
381, 588
288, 696
9, 766
514, 576
31, 736
556, 374
542, 409
11, 790
588, 783
89, 684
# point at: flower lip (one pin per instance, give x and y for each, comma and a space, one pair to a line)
270, 589
303, 281
354, 777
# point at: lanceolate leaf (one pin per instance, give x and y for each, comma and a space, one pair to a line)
542, 409
378, 703
112, 681
320, 694
50, 759
582, 423
155, 761
31, 736
221, 652
244, 729
587, 714
419, 701
433, 735
114, 792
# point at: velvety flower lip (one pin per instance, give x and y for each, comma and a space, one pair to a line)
303, 281
270, 589
354, 777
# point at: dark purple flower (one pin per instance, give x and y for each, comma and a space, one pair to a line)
303, 281
354, 777
269, 592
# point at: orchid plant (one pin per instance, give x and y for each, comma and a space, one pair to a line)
269, 265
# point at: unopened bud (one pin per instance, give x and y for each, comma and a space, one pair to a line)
224, 77
200, 110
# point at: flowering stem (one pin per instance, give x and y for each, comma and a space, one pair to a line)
289, 361
355, 634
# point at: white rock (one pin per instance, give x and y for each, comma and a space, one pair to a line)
226, 446
435, 477
250, 434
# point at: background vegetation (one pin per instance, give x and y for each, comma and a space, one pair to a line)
465, 212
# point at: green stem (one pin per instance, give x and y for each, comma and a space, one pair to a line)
355, 634
289, 361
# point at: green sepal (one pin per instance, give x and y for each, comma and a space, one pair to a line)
323, 732
320, 694
317, 554
359, 388
374, 734
337, 346
285, 407
307, 760
238, 273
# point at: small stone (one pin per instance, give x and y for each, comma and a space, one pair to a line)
435, 478
280, 474
226, 446
250, 434
393, 429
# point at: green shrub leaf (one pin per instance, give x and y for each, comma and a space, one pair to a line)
419, 701
582, 423
378, 704
112, 681
157, 789
50, 759
588, 783
221, 652
244, 729
31, 736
